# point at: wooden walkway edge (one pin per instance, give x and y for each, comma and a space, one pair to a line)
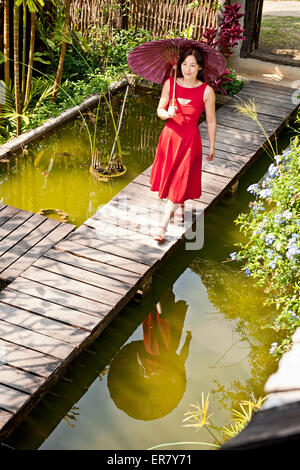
60, 299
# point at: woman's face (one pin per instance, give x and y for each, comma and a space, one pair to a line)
190, 67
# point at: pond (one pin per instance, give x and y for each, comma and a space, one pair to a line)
54, 173
201, 329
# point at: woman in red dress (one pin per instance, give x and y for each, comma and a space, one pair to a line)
176, 171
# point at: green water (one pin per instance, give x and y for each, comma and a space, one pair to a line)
54, 174
131, 390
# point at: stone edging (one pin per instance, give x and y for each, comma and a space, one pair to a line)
17, 143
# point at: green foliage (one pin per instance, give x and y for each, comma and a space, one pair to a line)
175, 33
235, 85
113, 46
90, 65
199, 418
272, 249
197, 3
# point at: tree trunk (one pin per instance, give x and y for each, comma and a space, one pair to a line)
62, 51
17, 67
6, 42
30, 58
24, 53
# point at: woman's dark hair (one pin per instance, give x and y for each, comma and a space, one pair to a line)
199, 58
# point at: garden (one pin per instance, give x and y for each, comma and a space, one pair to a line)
232, 306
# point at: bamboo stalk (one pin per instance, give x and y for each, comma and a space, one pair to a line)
17, 67
119, 125
6, 42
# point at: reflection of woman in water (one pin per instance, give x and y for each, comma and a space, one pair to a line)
147, 378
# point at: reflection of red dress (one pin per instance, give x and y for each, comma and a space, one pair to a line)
176, 171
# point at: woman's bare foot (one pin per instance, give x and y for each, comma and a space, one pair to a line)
159, 235
179, 215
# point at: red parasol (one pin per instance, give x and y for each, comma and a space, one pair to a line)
154, 60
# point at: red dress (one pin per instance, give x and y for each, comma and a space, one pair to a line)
176, 170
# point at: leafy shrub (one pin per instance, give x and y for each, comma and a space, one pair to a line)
272, 250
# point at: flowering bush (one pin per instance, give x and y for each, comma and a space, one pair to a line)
272, 250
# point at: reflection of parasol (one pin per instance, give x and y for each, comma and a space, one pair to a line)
145, 396
154, 60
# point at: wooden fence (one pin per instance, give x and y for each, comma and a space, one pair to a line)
157, 16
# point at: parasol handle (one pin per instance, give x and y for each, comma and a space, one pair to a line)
173, 99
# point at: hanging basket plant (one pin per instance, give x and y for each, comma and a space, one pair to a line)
103, 167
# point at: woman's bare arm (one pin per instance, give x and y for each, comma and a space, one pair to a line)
210, 111
162, 111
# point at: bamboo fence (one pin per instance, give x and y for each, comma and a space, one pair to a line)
160, 17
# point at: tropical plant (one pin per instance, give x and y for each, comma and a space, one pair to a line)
229, 33
250, 109
199, 417
63, 49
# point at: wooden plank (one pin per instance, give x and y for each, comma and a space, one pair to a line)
105, 276
12, 400
230, 121
2, 206
248, 132
270, 86
60, 232
258, 139
49, 327
267, 98
221, 179
99, 256
153, 204
18, 379
88, 236
142, 221
30, 339
266, 109
222, 167
254, 89
29, 241
7, 212
227, 147
59, 297
211, 183
235, 137
129, 198
264, 119
258, 91
5, 416
20, 232
13, 223
139, 192
66, 284
232, 157
47, 309
144, 218
28, 359
120, 233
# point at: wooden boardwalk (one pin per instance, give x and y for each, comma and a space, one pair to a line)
24, 237
59, 300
